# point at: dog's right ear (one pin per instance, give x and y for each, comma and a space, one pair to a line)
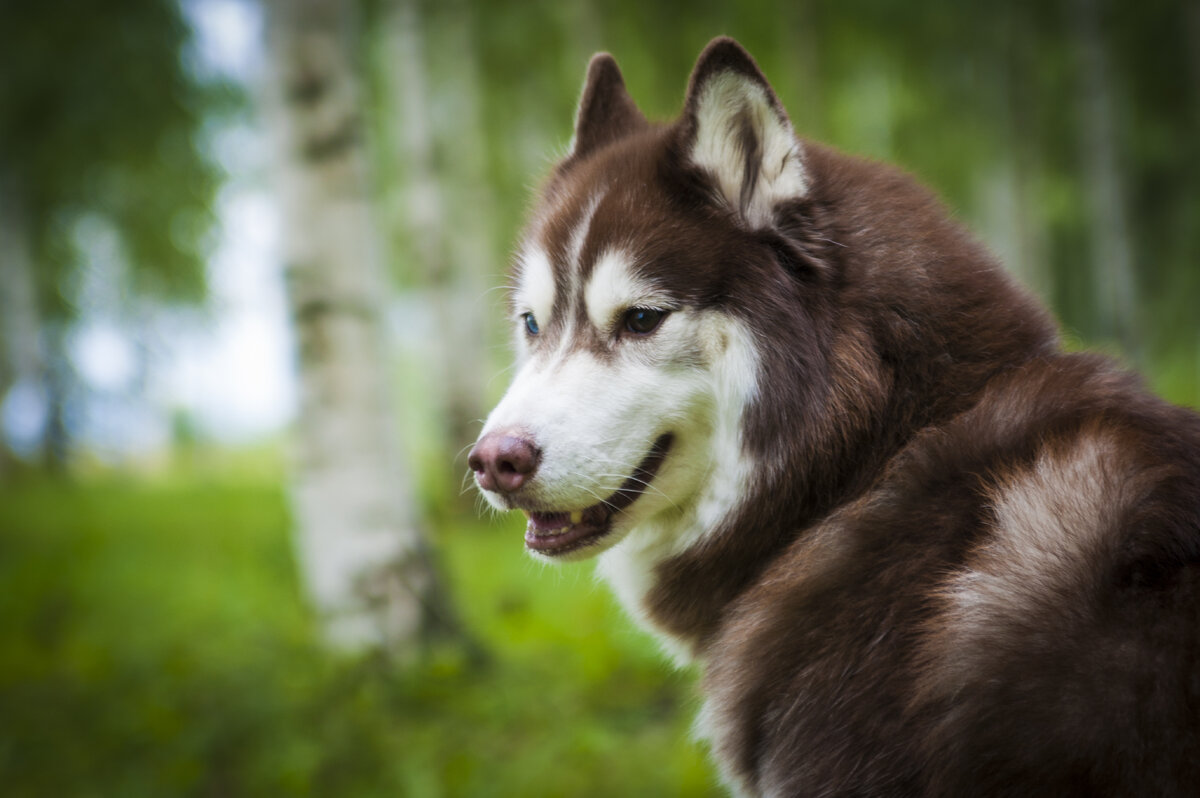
736, 131
606, 111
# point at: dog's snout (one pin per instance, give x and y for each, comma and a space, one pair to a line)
503, 462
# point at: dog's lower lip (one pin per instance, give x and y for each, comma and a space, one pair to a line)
556, 533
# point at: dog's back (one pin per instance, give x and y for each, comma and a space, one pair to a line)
825, 446
1012, 609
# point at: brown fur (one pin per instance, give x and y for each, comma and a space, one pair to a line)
971, 564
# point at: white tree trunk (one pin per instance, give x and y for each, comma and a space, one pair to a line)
360, 551
21, 356
1115, 285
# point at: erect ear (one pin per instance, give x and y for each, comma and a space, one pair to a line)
606, 111
737, 131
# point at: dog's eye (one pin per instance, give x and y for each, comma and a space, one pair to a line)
643, 321
531, 325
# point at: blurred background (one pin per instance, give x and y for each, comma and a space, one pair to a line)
251, 317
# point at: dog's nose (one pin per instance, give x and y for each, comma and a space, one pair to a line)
503, 462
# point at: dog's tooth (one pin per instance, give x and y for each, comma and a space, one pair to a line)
576, 516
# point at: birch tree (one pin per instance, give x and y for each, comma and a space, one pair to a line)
20, 328
362, 557
1114, 282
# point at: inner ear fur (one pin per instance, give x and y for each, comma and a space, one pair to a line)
737, 131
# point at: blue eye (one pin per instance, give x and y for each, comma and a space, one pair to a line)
531, 325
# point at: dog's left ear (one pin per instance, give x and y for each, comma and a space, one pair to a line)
737, 131
606, 111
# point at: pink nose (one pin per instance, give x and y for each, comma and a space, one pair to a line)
503, 462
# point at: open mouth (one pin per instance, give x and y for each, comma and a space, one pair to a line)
562, 532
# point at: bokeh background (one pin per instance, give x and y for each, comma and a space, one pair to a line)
250, 320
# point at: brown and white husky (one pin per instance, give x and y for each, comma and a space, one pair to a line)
824, 445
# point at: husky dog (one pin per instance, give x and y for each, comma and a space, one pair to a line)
825, 446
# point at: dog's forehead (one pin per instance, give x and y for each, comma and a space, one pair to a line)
573, 230
615, 220
612, 203
563, 221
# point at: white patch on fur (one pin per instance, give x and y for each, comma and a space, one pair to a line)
1051, 521
712, 725
580, 233
535, 287
727, 99
572, 407
1046, 519
596, 420
613, 288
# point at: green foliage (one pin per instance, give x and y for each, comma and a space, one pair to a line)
156, 644
99, 117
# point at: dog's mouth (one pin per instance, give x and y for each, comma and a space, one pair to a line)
556, 533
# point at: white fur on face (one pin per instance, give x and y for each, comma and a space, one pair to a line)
720, 479
596, 416
579, 235
535, 287
727, 101
612, 289
593, 426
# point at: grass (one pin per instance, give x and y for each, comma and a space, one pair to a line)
156, 643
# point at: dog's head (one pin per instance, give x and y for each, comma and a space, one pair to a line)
637, 356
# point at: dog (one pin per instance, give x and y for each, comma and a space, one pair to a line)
823, 445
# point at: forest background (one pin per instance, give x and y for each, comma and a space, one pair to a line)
250, 319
